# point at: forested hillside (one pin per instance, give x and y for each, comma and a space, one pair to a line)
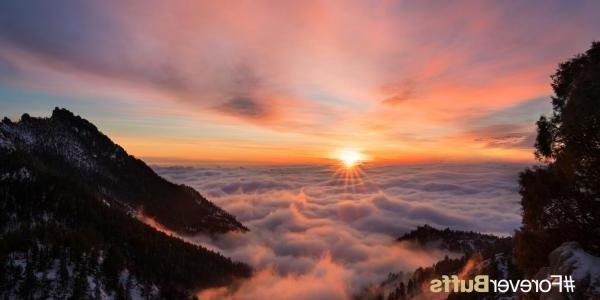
60, 238
73, 148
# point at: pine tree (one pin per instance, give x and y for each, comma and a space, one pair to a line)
560, 199
80, 284
97, 290
392, 296
122, 293
410, 287
3, 270
28, 286
129, 286
64, 270
401, 291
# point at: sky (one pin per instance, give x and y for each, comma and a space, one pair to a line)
295, 81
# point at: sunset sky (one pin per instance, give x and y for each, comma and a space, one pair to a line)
297, 81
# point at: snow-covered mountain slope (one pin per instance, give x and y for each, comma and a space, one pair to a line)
58, 240
571, 259
73, 148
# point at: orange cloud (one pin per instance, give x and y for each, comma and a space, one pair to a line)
336, 73
324, 281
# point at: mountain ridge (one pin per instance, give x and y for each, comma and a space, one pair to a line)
74, 147
67, 228
458, 241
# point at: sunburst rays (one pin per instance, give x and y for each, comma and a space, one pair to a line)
351, 177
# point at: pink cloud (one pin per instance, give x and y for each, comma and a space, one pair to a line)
318, 68
324, 281
310, 237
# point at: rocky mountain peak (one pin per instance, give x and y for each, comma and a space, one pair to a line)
67, 117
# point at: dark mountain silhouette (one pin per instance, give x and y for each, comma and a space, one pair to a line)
72, 148
465, 242
66, 231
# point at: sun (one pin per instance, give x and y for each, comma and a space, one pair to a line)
349, 171
350, 158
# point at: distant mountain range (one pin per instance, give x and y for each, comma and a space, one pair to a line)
68, 196
466, 242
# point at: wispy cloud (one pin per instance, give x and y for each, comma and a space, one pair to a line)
339, 71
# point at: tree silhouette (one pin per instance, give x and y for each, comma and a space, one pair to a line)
561, 199
27, 288
80, 285
401, 292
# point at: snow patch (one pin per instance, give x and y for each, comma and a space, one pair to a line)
22, 174
571, 259
6, 144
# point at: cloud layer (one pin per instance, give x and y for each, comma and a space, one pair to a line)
315, 236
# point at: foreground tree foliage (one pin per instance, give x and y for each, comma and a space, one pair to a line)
561, 199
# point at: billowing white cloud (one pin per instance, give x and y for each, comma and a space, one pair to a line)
314, 237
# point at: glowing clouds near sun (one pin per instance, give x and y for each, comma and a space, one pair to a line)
325, 280
350, 158
310, 229
291, 80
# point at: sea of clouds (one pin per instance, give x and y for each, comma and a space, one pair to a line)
316, 232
